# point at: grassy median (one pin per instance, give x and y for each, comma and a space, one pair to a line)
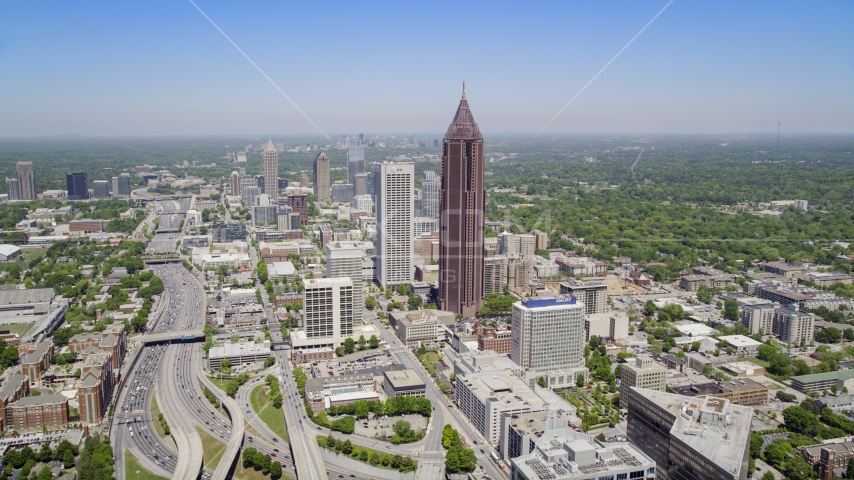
132, 466
212, 447
270, 415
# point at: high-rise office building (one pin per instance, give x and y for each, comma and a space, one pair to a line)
259, 182
393, 189
548, 334
235, 183
690, 437
101, 189
26, 180
121, 186
322, 190
344, 259
250, 195
355, 163
430, 187
593, 295
77, 185
270, 169
342, 192
461, 215
329, 308
13, 192
363, 203
361, 185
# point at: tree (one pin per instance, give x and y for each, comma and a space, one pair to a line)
374, 342
450, 436
766, 352
414, 302
768, 476
362, 342
542, 382
45, 473
785, 397
777, 452
370, 303
275, 470
601, 437
270, 361
849, 336
225, 364
849, 472
649, 308
579, 381
460, 459
755, 445
349, 346
731, 310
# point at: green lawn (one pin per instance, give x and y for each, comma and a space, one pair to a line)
155, 412
761, 363
133, 471
273, 417
213, 449
20, 328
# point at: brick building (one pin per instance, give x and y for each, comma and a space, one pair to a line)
29, 414
36, 360
112, 341
496, 340
96, 387
14, 388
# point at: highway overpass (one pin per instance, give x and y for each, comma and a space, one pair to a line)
177, 337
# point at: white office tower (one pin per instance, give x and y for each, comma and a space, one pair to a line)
344, 259
430, 187
393, 189
329, 308
270, 169
548, 335
363, 203
264, 212
355, 163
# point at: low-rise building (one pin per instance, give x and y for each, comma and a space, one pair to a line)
418, 328
403, 383
31, 414
321, 393
496, 340
818, 382
742, 391
310, 355
829, 460
742, 369
742, 344
485, 397
564, 454
843, 402
238, 353
645, 373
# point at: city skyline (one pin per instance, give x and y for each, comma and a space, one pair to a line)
696, 69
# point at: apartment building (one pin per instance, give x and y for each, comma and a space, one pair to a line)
96, 387
31, 414
593, 295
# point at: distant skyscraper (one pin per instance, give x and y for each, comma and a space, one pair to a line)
249, 195
435, 143
235, 183
77, 185
393, 190
12, 190
461, 213
259, 182
355, 163
322, 191
121, 186
102, 189
26, 180
270, 169
430, 187
361, 138
303, 180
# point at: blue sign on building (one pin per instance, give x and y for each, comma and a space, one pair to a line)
548, 302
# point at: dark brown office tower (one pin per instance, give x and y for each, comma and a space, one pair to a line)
461, 220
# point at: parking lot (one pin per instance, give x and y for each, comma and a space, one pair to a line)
384, 425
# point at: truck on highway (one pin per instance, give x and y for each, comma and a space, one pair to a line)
188, 337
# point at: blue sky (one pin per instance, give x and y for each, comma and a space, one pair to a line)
159, 67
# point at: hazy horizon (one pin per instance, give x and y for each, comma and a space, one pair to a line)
162, 69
